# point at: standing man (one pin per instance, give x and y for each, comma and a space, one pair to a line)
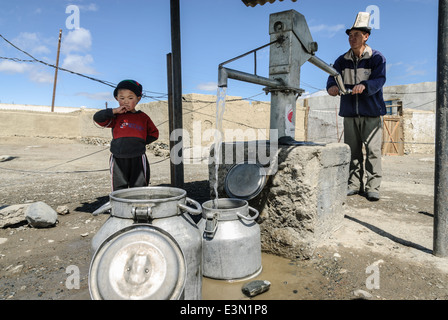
364, 72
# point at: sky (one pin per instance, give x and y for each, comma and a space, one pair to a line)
113, 40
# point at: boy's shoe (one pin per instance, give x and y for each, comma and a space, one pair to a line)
372, 196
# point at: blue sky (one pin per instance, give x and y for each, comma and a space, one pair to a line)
119, 40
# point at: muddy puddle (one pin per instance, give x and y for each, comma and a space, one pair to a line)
290, 280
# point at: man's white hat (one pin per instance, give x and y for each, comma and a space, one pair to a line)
361, 23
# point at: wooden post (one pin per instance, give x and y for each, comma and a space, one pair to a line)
56, 71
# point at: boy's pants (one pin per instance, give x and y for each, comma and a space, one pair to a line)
129, 172
367, 131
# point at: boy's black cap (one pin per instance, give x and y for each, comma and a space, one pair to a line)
132, 85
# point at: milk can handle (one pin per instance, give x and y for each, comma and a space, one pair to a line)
211, 224
194, 212
251, 218
102, 209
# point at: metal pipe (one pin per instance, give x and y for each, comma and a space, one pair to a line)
441, 159
225, 73
323, 65
169, 67
279, 39
332, 71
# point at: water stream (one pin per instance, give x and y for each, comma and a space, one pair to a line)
219, 133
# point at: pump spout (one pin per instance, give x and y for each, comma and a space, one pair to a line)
222, 77
225, 73
331, 71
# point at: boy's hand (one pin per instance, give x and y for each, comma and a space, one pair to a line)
119, 110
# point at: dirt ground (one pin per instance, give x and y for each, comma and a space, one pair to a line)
382, 251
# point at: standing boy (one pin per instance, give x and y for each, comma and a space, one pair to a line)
132, 130
364, 71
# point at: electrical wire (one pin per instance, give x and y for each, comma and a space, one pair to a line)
164, 95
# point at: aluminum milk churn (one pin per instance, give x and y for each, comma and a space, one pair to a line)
165, 208
231, 245
138, 262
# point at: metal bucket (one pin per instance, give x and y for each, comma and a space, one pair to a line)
231, 245
140, 262
163, 207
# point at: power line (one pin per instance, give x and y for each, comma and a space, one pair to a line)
108, 83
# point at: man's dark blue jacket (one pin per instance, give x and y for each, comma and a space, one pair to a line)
369, 70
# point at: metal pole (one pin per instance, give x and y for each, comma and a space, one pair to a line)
169, 65
56, 71
177, 89
441, 158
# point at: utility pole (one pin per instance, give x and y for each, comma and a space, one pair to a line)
441, 159
56, 70
177, 95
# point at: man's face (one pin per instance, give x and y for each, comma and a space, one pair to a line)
357, 38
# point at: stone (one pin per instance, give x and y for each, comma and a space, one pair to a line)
62, 210
5, 158
12, 215
41, 215
256, 287
362, 294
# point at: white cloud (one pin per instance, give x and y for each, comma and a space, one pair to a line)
32, 42
34, 73
407, 70
103, 96
75, 47
393, 65
412, 71
208, 86
39, 76
77, 40
329, 31
89, 7
79, 63
13, 67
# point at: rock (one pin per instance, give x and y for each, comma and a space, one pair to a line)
11, 215
362, 294
5, 158
256, 287
62, 210
41, 215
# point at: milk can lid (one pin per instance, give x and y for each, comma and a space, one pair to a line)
245, 180
139, 262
